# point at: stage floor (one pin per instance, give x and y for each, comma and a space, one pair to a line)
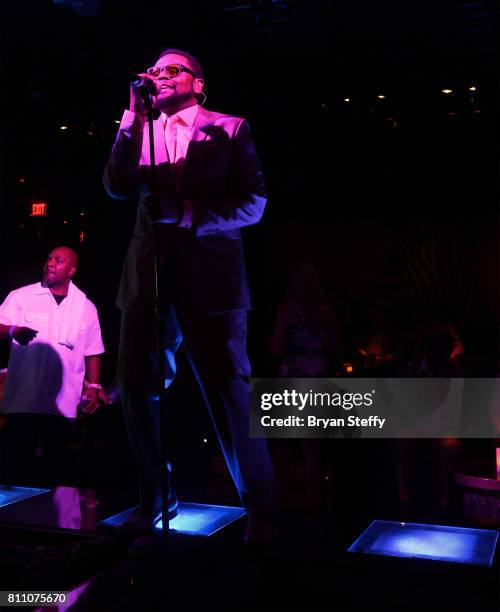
56, 540
85, 511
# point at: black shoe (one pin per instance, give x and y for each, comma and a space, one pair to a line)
153, 508
143, 521
173, 505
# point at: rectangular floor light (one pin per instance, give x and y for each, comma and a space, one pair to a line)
193, 519
11, 495
432, 542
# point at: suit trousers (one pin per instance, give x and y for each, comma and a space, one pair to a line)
216, 348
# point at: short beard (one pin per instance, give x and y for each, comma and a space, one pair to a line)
175, 102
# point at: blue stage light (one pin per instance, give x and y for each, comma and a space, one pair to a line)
193, 519
11, 495
432, 542
202, 519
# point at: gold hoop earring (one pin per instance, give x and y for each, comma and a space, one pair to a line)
202, 93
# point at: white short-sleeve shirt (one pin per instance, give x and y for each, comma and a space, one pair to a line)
45, 376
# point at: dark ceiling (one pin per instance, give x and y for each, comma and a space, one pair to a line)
59, 48
69, 62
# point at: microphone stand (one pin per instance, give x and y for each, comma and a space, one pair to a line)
165, 474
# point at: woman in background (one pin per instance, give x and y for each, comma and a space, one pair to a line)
306, 341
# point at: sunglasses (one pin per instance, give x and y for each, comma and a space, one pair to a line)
171, 70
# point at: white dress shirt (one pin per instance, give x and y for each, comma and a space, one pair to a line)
46, 376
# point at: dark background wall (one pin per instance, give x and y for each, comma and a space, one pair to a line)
354, 186
348, 181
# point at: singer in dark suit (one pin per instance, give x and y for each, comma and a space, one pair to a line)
209, 185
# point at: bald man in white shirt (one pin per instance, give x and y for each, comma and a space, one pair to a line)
55, 352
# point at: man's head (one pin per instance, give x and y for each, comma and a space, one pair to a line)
60, 267
181, 90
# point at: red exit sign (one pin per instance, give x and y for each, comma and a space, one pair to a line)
39, 209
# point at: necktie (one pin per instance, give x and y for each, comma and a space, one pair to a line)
171, 137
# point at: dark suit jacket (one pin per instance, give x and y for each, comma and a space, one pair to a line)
223, 179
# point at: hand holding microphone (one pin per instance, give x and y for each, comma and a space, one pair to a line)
143, 90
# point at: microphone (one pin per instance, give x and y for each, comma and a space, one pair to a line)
145, 86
